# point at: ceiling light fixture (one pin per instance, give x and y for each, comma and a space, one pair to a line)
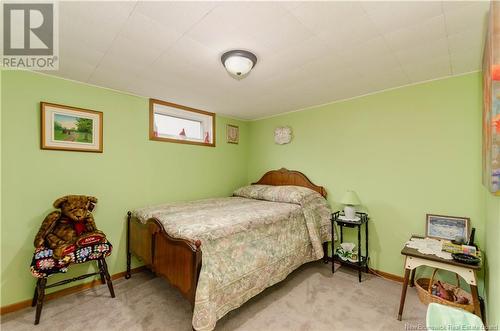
238, 62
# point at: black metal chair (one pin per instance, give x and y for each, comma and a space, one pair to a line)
40, 268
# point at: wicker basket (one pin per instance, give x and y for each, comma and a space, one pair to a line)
424, 290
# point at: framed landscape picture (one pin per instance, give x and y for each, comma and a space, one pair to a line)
70, 129
447, 227
233, 134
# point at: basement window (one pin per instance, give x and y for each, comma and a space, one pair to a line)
180, 124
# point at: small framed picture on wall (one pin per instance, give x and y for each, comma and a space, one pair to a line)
70, 129
232, 134
447, 227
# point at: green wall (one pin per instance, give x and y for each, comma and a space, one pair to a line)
132, 172
406, 152
492, 272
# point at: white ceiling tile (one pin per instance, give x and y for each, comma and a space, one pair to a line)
129, 56
308, 52
393, 15
327, 15
366, 49
449, 5
178, 15
75, 51
467, 40
344, 37
421, 33
466, 61
74, 69
371, 58
111, 77
434, 67
222, 30
466, 17
290, 5
292, 58
387, 78
146, 31
95, 37
94, 24
187, 51
330, 65
423, 53
340, 24
377, 66
281, 32
111, 14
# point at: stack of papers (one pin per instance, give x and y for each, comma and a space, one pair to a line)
429, 246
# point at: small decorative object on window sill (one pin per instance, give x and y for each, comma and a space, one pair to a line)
350, 200
283, 135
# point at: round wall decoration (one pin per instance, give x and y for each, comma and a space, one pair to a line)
283, 135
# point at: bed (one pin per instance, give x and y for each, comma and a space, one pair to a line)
221, 252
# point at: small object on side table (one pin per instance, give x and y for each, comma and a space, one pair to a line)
350, 201
358, 221
415, 259
466, 258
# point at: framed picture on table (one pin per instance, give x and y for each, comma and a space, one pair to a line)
447, 227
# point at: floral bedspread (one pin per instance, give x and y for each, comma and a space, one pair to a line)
249, 241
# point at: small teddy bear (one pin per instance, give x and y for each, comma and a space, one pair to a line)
71, 227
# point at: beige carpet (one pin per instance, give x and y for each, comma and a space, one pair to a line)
311, 298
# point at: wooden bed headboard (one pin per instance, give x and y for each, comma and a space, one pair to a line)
289, 177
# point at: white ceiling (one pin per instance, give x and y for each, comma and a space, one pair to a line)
309, 53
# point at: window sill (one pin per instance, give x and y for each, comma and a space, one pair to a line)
178, 141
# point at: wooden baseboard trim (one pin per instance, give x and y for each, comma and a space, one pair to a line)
386, 275
66, 291
81, 287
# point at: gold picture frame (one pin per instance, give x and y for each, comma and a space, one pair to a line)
232, 134
66, 128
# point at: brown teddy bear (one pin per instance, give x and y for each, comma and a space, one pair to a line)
71, 227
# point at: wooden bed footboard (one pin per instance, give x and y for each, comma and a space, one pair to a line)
176, 260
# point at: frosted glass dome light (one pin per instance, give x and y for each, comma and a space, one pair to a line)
238, 63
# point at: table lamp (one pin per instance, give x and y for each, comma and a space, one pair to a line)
350, 200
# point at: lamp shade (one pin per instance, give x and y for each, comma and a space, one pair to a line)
350, 198
238, 65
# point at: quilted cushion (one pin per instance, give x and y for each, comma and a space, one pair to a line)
44, 265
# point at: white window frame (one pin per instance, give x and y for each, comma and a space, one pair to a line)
207, 120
